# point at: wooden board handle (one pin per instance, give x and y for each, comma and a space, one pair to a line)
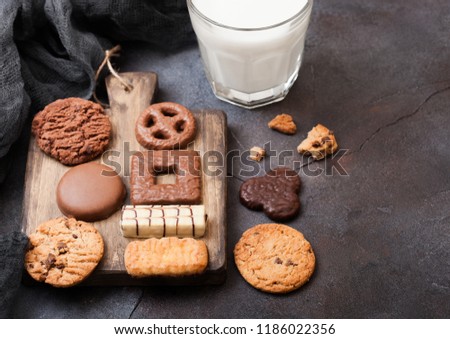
125, 107
145, 86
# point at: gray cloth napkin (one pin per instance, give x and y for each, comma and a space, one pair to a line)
51, 49
12, 247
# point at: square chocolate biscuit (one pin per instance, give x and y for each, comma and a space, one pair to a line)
146, 166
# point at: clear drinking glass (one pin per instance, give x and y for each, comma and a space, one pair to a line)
251, 67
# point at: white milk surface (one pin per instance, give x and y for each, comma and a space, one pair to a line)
249, 13
253, 61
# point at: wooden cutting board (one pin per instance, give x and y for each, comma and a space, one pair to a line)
43, 174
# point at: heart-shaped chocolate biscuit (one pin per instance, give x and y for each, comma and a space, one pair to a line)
276, 194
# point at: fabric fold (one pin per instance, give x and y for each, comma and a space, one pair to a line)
12, 248
52, 48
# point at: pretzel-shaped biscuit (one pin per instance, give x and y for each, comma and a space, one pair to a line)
166, 125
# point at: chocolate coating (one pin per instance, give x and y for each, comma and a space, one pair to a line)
90, 192
166, 125
186, 166
276, 194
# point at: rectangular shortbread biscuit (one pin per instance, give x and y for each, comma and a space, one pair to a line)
166, 257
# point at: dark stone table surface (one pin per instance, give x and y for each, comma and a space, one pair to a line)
377, 215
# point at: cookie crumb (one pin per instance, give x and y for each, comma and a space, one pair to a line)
319, 143
257, 153
283, 123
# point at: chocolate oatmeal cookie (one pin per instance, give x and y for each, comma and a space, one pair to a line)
72, 130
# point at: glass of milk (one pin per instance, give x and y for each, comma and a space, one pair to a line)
251, 49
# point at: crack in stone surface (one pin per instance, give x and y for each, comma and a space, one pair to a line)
403, 117
400, 92
377, 100
231, 175
237, 140
308, 162
141, 297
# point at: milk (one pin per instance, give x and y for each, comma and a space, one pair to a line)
251, 49
249, 13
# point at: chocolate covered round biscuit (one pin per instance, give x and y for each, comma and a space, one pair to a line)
165, 126
63, 252
274, 258
90, 192
72, 130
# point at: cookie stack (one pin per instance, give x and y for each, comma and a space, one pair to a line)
66, 250
165, 212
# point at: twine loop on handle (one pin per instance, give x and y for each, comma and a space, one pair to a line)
109, 53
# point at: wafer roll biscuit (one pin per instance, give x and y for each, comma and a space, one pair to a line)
157, 221
166, 257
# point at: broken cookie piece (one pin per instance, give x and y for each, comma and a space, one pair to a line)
283, 123
319, 143
257, 153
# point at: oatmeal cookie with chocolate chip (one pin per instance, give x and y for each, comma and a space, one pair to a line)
319, 143
63, 252
274, 258
72, 130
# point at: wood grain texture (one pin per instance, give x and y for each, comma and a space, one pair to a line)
43, 174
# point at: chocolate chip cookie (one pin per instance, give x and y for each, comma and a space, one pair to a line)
72, 130
319, 143
63, 252
274, 258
